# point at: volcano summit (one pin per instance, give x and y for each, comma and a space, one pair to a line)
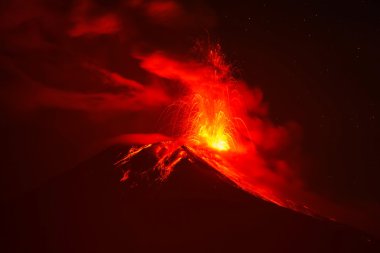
195, 209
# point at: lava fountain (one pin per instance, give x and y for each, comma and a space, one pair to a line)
210, 123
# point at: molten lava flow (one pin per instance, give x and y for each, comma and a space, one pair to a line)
213, 129
208, 114
210, 123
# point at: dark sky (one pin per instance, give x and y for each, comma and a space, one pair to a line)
315, 61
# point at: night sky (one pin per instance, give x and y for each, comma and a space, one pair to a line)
315, 61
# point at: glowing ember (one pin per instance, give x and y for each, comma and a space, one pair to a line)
210, 123
209, 117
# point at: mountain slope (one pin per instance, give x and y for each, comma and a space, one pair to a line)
195, 210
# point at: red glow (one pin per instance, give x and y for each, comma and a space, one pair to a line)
223, 123
86, 24
163, 9
211, 111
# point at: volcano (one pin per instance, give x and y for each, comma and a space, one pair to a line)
196, 209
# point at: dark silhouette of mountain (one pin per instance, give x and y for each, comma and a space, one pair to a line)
195, 210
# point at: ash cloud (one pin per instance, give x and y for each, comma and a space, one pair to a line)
71, 79
97, 72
